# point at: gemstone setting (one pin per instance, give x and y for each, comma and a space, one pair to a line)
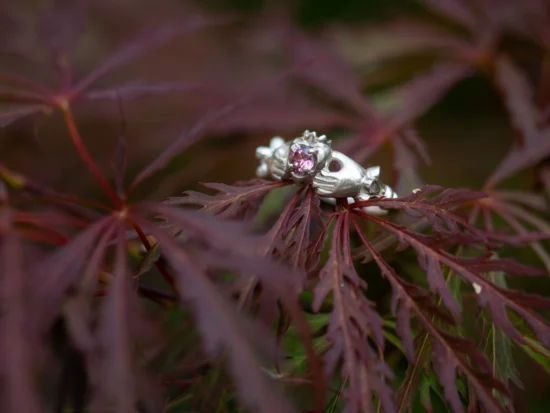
301, 159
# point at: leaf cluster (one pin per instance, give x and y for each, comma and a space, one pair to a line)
255, 296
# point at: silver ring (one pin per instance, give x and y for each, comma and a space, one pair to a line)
309, 159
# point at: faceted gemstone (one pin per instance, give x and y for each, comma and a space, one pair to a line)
301, 159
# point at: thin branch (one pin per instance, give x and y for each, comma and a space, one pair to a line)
160, 266
85, 155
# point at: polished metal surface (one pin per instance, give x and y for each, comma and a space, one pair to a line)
309, 159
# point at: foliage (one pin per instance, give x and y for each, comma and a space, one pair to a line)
255, 296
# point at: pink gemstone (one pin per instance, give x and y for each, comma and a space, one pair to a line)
301, 159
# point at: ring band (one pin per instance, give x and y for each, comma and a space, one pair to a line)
309, 159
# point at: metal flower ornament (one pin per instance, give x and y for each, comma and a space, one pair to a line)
309, 159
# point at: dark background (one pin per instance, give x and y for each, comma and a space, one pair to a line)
467, 133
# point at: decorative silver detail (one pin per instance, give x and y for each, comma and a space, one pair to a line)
310, 158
